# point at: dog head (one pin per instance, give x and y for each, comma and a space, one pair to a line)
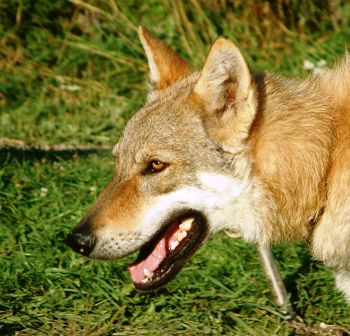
182, 166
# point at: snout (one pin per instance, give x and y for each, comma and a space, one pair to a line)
81, 240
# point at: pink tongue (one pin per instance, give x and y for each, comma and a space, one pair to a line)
153, 260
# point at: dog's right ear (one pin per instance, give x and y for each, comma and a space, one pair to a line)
166, 67
225, 95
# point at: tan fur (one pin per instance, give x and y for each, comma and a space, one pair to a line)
170, 66
118, 202
291, 142
331, 238
282, 146
220, 92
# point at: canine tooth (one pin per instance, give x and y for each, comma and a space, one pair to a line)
186, 225
173, 245
181, 235
144, 280
233, 234
147, 273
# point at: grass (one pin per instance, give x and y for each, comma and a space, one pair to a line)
76, 69
48, 289
73, 72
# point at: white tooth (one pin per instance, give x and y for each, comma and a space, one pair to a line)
173, 245
181, 235
147, 273
186, 225
144, 280
233, 234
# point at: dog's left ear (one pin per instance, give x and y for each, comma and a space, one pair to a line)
225, 95
166, 67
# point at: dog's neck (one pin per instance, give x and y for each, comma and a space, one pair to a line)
292, 140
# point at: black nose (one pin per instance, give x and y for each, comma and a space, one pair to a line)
81, 242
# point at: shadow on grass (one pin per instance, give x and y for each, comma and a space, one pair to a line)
10, 153
291, 280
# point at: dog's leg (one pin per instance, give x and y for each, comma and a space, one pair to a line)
330, 240
274, 278
330, 244
272, 275
342, 280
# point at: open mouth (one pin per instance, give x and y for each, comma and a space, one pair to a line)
164, 256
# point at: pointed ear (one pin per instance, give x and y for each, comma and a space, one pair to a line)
166, 67
225, 94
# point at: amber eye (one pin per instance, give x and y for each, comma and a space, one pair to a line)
156, 166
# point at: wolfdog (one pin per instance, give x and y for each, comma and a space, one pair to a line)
226, 148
